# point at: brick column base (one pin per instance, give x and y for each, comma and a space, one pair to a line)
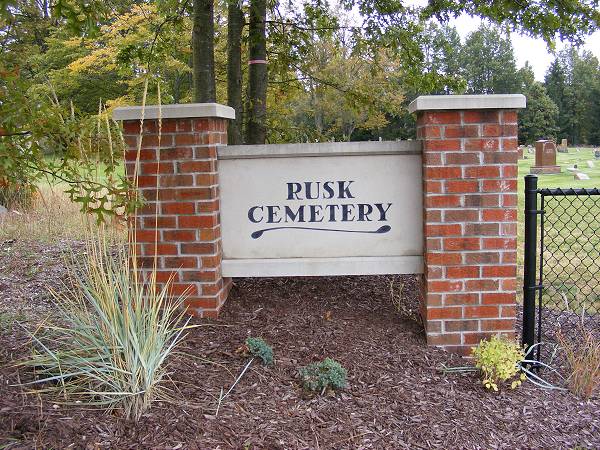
470, 217
178, 180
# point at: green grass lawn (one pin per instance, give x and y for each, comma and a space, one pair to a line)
572, 241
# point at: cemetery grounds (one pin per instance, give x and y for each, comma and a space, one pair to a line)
398, 395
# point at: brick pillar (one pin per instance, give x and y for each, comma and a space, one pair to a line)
177, 177
470, 216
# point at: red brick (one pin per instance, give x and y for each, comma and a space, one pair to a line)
443, 201
481, 311
206, 152
509, 117
454, 326
501, 157
432, 159
479, 200
205, 179
160, 249
146, 236
168, 126
481, 285
482, 172
499, 215
433, 215
499, 243
498, 298
176, 180
178, 208
482, 258
131, 127
510, 171
460, 186
183, 289
462, 243
444, 145
160, 222
452, 312
196, 166
199, 193
461, 299
184, 125
199, 248
181, 262
439, 117
480, 116
200, 275
442, 172
197, 221
509, 200
444, 286
145, 154
509, 284
462, 272
176, 154
444, 339
492, 130
184, 139
475, 338
454, 131
443, 230
179, 235
151, 140
485, 145
499, 185
498, 325
443, 259
500, 271
510, 144
461, 215
482, 229
432, 187
154, 168
508, 311
431, 132
509, 258
462, 158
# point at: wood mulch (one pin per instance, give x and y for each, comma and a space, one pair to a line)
396, 396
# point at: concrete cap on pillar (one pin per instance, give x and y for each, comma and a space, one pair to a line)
464, 102
180, 111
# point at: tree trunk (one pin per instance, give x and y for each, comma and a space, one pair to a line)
256, 132
234, 70
203, 60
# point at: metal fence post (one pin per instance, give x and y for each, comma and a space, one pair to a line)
529, 270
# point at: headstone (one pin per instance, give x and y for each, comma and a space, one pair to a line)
572, 169
581, 176
590, 164
562, 148
597, 154
529, 149
545, 158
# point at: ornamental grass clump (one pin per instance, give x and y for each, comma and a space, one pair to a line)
499, 360
111, 341
583, 361
327, 374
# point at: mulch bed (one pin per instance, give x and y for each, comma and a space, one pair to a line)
396, 396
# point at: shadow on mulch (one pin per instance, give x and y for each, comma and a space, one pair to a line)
396, 396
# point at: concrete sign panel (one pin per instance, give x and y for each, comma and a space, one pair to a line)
362, 204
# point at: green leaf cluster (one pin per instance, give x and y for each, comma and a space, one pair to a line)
258, 348
327, 374
498, 360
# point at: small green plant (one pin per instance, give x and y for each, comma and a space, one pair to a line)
258, 348
320, 376
499, 361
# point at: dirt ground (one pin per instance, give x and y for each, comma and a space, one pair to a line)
397, 397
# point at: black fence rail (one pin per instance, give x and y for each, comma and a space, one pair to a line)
561, 292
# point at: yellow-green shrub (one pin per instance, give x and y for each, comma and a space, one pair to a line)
498, 360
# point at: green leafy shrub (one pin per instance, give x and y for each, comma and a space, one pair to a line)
323, 375
258, 348
499, 359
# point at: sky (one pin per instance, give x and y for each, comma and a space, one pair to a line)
526, 48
